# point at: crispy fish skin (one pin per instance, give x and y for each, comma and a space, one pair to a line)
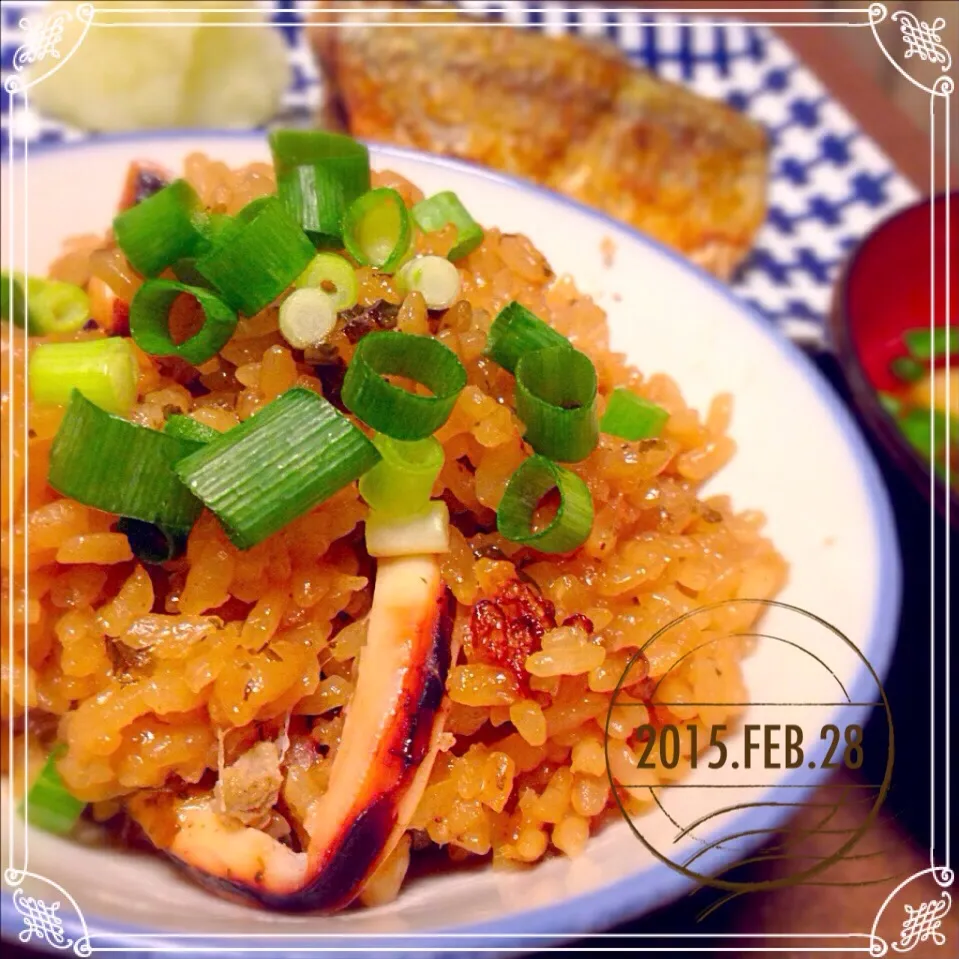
568, 113
689, 171
481, 93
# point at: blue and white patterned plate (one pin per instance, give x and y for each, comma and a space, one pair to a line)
830, 183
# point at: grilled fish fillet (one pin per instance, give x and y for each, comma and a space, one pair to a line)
569, 113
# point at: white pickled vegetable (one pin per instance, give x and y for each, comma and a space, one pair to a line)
151, 74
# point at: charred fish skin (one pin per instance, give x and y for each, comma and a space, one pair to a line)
372, 805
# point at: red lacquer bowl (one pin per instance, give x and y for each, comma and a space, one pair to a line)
885, 289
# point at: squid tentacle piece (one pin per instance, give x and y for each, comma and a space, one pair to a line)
391, 736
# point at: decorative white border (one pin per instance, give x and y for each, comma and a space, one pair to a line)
922, 922
923, 40
41, 42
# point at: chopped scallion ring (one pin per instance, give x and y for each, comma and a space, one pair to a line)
112, 464
402, 481
632, 417
43, 306
924, 343
13, 302
556, 399
216, 225
318, 175
917, 428
50, 805
333, 275
376, 229
427, 531
307, 317
187, 428
517, 331
257, 256
891, 404
294, 454
165, 227
907, 369
391, 409
433, 276
150, 321
186, 272
105, 371
435, 212
151, 543
570, 525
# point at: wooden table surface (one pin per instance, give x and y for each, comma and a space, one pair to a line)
846, 898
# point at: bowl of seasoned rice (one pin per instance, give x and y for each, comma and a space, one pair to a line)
368, 516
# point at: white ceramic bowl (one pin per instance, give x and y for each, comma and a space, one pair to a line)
800, 460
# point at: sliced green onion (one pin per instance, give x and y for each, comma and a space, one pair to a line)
924, 343
433, 276
150, 321
255, 258
105, 371
916, 426
307, 317
427, 531
435, 212
186, 272
906, 369
151, 543
13, 306
517, 331
391, 409
218, 223
213, 227
556, 399
334, 275
50, 805
573, 520
112, 464
294, 454
376, 229
318, 176
187, 428
402, 481
247, 215
632, 417
46, 306
891, 404
56, 307
165, 227
218, 228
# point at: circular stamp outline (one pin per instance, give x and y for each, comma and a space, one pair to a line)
784, 881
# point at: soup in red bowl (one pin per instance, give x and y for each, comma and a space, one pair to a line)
894, 326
